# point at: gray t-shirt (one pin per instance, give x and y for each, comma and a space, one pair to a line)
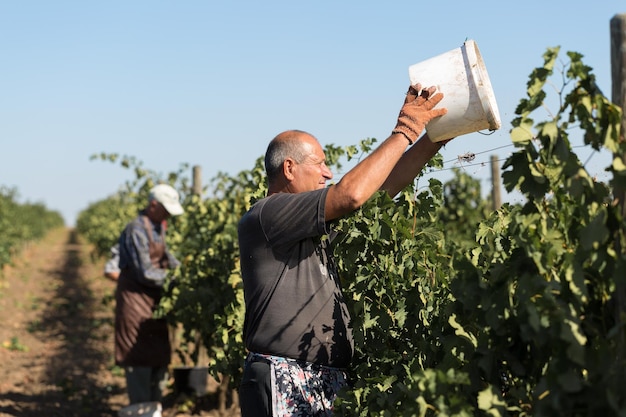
294, 304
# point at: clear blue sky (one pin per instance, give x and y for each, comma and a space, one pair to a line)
210, 83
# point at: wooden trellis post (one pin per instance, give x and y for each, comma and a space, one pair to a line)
618, 75
495, 183
197, 180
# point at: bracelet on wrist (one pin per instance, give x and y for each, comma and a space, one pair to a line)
405, 135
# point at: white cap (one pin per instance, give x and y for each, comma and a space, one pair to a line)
168, 197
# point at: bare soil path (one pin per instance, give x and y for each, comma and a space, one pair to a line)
56, 337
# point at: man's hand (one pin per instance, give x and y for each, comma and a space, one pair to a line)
417, 111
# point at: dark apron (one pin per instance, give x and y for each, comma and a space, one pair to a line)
140, 339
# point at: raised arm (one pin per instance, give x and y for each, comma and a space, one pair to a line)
411, 164
367, 177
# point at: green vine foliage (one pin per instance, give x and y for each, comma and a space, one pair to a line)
206, 296
523, 321
397, 268
536, 298
462, 209
22, 223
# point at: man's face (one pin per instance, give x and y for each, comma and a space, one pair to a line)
157, 212
312, 173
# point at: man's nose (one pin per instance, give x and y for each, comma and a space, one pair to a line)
326, 172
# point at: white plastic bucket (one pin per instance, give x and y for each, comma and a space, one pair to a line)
461, 75
148, 409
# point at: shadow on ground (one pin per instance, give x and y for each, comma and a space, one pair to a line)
77, 379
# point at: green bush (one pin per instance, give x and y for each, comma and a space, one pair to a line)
22, 223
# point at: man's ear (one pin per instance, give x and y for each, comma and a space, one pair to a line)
288, 168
